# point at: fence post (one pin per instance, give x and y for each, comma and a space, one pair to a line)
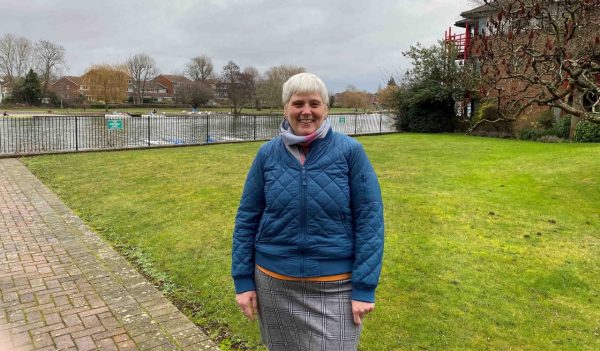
76, 135
355, 122
149, 129
380, 118
207, 130
254, 127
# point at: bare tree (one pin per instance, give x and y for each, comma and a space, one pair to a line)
388, 97
200, 68
269, 88
542, 52
24, 59
354, 98
141, 68
15, 56
194, 93
231, 80
49, 56
240, 86
250, 77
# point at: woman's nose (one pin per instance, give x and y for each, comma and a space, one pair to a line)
306, 110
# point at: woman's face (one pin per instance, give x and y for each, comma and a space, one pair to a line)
305, 112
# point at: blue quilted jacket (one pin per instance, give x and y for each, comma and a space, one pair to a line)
323, 218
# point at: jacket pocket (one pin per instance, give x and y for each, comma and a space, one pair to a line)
371, 191
261, 228
345, 225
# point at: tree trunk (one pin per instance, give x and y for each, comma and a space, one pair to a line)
574, 121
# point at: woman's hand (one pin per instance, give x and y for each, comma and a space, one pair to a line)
360, 309
248, 303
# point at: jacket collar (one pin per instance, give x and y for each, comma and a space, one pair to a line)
317, 148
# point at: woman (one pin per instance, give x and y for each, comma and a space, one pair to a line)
308, 238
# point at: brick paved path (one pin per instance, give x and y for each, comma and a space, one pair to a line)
63, 288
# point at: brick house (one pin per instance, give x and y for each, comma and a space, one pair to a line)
161, 89
5, 89
172, 82
68, 89
153, 91
178, 85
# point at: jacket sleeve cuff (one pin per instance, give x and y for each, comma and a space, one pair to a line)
243, 284
364, 295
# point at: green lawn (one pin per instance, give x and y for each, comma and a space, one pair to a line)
490, 244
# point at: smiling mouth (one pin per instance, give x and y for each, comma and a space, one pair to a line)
306, 120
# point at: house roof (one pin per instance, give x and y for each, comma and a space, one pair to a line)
175, 78
74, 79
152, 84
478, 12
473, 15
486, 9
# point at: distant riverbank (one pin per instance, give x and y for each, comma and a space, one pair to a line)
36, 111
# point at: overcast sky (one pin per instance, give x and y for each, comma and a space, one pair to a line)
346, 42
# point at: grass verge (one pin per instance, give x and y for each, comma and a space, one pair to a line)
490, 243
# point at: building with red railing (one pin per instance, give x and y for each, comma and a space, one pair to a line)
461, 40
473, 23
470, 33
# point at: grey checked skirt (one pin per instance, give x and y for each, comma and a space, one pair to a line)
303, 316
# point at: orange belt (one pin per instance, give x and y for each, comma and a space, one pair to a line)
327, 278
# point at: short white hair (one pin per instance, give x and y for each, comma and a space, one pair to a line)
304, 83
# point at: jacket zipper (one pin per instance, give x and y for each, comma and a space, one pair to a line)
303, 211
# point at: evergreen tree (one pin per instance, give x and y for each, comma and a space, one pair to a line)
29, 91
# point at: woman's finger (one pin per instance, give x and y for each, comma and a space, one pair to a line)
248, 303
357, 318
248, 311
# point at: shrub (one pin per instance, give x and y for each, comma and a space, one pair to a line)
546, 119
429, 117
550, 139
500, 129
531, 133
487, 112
562, 127
546, 128
587, 132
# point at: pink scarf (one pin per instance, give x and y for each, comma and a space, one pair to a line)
295, 143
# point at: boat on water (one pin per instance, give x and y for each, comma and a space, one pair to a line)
117, 115
162, 141
221, 139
